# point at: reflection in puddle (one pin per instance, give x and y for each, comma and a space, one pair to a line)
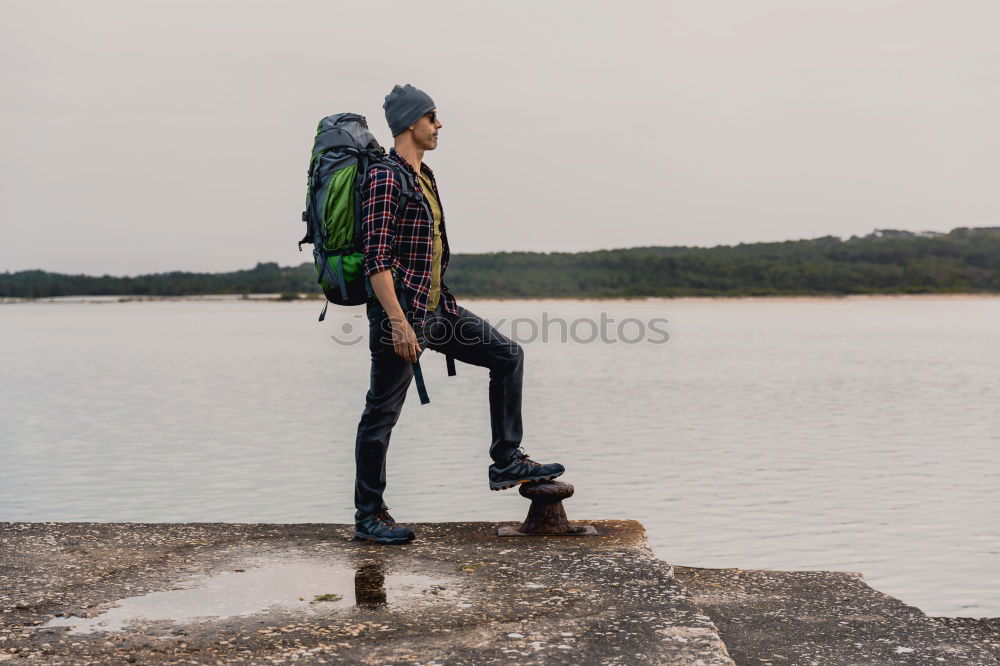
369, 586
263, 585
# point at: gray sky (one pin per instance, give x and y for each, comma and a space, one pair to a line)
144, 136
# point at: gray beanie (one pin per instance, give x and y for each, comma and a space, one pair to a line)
404, 106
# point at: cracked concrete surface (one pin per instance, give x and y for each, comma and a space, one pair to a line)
77, 593
826, 618
229, 593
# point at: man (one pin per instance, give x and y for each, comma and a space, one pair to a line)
412, 245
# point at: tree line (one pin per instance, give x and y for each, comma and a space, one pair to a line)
883, 262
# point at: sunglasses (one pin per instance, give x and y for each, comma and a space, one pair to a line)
432, 115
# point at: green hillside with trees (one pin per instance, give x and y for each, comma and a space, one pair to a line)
884, 262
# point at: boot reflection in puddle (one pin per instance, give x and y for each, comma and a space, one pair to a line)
369, 586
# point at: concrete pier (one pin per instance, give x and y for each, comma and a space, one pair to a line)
829, 617
78, 593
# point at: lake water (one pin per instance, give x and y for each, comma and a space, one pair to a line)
850, 434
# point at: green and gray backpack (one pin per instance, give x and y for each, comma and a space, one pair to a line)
343, 152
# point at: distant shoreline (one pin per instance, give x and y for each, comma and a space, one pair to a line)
887, 262
312, 298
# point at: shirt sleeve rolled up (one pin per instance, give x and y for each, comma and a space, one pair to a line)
378, 220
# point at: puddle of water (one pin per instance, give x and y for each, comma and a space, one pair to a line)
264, 585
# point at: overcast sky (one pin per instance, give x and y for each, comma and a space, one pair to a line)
143, 136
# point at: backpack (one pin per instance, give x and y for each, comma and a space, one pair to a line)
343, 152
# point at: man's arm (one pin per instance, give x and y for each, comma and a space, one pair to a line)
378, 229
404, 340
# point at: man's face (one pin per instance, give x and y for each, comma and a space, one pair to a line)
425, 130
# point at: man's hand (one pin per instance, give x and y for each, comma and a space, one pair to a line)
404, 340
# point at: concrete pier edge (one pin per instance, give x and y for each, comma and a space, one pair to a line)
459, 594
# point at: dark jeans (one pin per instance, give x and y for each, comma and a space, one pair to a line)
467, 338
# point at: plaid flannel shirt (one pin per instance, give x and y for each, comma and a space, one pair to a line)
404, 242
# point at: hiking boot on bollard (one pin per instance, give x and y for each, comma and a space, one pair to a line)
381, 528
522, 469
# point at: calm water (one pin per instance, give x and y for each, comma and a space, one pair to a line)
857, 434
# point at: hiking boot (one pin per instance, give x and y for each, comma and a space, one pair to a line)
522, 469
381, 528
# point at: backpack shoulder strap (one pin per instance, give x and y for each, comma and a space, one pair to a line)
418, 375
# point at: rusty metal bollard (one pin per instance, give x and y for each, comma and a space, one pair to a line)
546, 516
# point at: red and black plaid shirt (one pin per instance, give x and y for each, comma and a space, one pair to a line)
407, 243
